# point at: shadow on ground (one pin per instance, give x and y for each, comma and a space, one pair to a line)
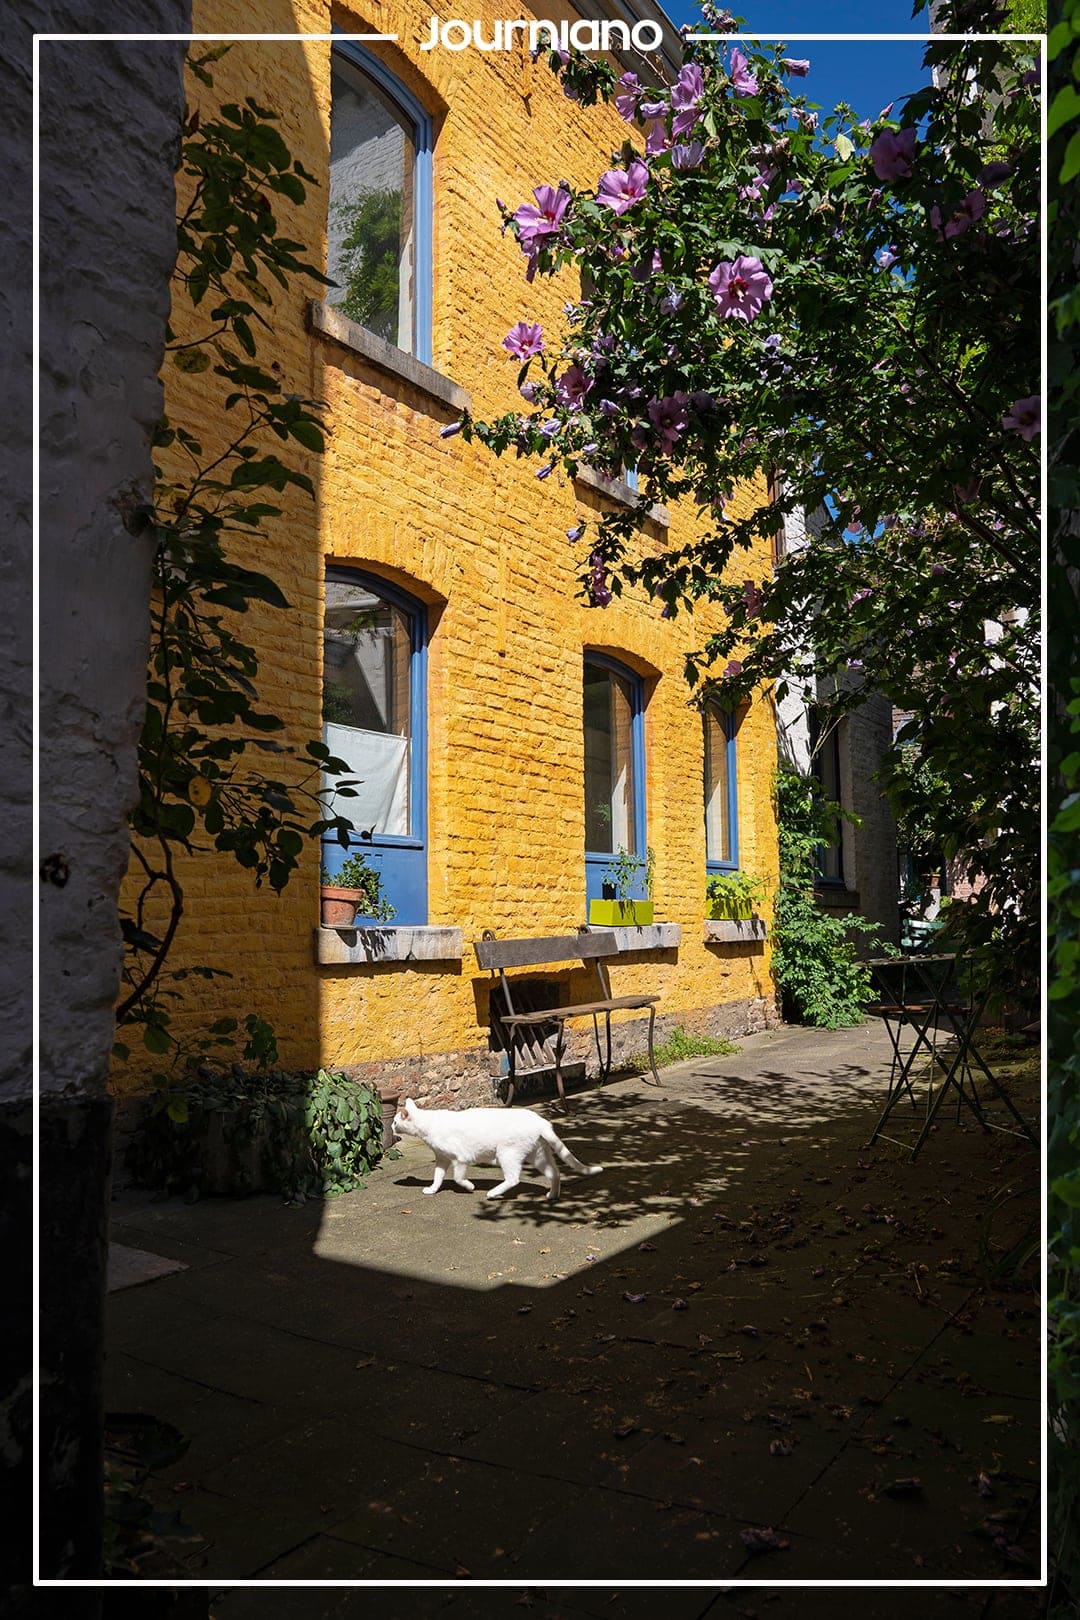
751, 1350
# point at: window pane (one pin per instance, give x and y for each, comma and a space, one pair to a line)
718, 841
367, 651
830, 863
371, 226
609, 772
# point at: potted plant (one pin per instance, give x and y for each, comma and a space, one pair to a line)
733, 896
353, 894
619, 907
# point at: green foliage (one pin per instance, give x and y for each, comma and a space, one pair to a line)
814, 962
355, 873
1063, 836
878, 378
301, 1135
734, 894
626, 870
371, 249
208, 743
680, 1046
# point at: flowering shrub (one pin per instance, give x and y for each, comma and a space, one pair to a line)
856, 305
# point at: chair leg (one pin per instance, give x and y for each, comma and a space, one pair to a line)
652, 1057
558, 1067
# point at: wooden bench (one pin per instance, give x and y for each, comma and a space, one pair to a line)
529, 1049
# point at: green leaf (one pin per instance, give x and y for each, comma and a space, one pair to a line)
156, 1039
309, 433
1070, 165
191, 360
1064, 107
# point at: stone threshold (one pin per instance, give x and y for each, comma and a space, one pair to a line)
386, 942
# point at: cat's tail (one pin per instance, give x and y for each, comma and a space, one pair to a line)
560, 1149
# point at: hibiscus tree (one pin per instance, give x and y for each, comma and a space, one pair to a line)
856, 307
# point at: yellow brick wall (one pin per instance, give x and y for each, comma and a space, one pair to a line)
483, 537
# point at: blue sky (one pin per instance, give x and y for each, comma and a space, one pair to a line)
866, 75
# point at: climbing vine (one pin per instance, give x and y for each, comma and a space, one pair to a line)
212, 771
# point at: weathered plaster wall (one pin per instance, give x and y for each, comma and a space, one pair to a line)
110, 119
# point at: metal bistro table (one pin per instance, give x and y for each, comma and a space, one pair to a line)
928, 995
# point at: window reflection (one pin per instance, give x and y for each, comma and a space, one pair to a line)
371, 249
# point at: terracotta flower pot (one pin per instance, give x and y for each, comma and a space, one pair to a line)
339, 906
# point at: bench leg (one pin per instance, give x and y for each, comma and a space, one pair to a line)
652, 1059
558, 1066
511, 1084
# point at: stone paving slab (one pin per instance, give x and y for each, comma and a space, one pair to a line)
386, 1384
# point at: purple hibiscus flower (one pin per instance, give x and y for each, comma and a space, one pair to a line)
687, 155
893, 153
688, 88
671, 301
627, 99
620, 189
572, 387
598, 589
742, 288
743, 81
886, 257
656, 140
972, 208
994, 173
669, 417
524, 340
537, 223
799, 66
1025, 417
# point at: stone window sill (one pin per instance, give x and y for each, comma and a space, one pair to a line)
645, 937
360, 947
616, 489
735, 931
327, 322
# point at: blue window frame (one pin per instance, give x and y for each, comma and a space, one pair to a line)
375, 718
721, 790
614, 726
826, 768
381, 201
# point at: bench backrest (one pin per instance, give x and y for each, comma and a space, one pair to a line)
504, 953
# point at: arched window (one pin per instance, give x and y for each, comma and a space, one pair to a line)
380, 212
374, 717
614, 722
721, 791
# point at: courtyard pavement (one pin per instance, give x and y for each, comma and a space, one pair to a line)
753, 1350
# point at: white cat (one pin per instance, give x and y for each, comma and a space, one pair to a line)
509, 1137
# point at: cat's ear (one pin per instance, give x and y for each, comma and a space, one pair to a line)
409, 1106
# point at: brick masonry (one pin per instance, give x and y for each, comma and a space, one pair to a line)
484, 545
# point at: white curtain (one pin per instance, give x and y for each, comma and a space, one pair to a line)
380, 761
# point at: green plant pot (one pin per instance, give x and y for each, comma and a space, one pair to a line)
620, 913
731, 910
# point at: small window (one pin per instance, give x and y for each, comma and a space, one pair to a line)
721, 791
374, 714
614, 725
379, 225
827, 770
